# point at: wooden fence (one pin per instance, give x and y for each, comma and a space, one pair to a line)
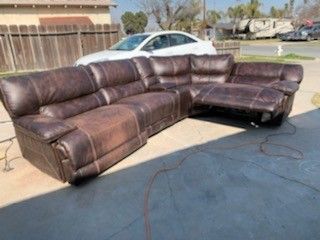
24, 48
232, 47
29, 48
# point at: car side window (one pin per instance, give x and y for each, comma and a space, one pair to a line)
179, 39
156, 43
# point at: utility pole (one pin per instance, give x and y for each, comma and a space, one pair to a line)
204, 12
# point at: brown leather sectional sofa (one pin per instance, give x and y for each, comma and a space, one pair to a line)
76, 122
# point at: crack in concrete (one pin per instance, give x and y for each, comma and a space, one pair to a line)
173, 200
171, 191
124, 228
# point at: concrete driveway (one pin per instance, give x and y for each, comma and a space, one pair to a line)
215, 194
299, 48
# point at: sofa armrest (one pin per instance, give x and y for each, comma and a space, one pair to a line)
42, 128
287, 87
161, 87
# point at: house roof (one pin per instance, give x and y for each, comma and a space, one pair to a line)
101, 3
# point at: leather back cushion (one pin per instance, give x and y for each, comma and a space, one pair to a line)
266, 72
75, 106
172, 69
117, 79
145, 70
25, 95
270, 70
211, 68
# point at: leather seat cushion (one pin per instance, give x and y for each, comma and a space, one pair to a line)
241, 96
195, 89
287, 87
99, 132
154, 105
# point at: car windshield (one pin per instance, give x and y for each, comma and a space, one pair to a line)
305, 28
130, 43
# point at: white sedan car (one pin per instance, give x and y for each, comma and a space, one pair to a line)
166, 43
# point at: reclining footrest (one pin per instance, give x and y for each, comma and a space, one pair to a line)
241, 96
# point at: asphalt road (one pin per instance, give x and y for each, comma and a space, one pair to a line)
270, 50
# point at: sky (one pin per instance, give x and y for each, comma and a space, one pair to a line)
131, 5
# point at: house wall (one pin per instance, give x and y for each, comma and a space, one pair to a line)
30, 15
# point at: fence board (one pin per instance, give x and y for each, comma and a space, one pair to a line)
48, 48
3, 53
47, 56
38, 45
85, 39
107, 36
75, 44
16, 46
7, 61
62, 46
34, 50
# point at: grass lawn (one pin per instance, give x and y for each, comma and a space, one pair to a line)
316, 100
275, 42
10, 74
260, 41
283, 59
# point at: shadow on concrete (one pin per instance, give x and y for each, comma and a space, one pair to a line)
215, 194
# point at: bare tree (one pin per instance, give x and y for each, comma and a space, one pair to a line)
309, 10
166, 12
